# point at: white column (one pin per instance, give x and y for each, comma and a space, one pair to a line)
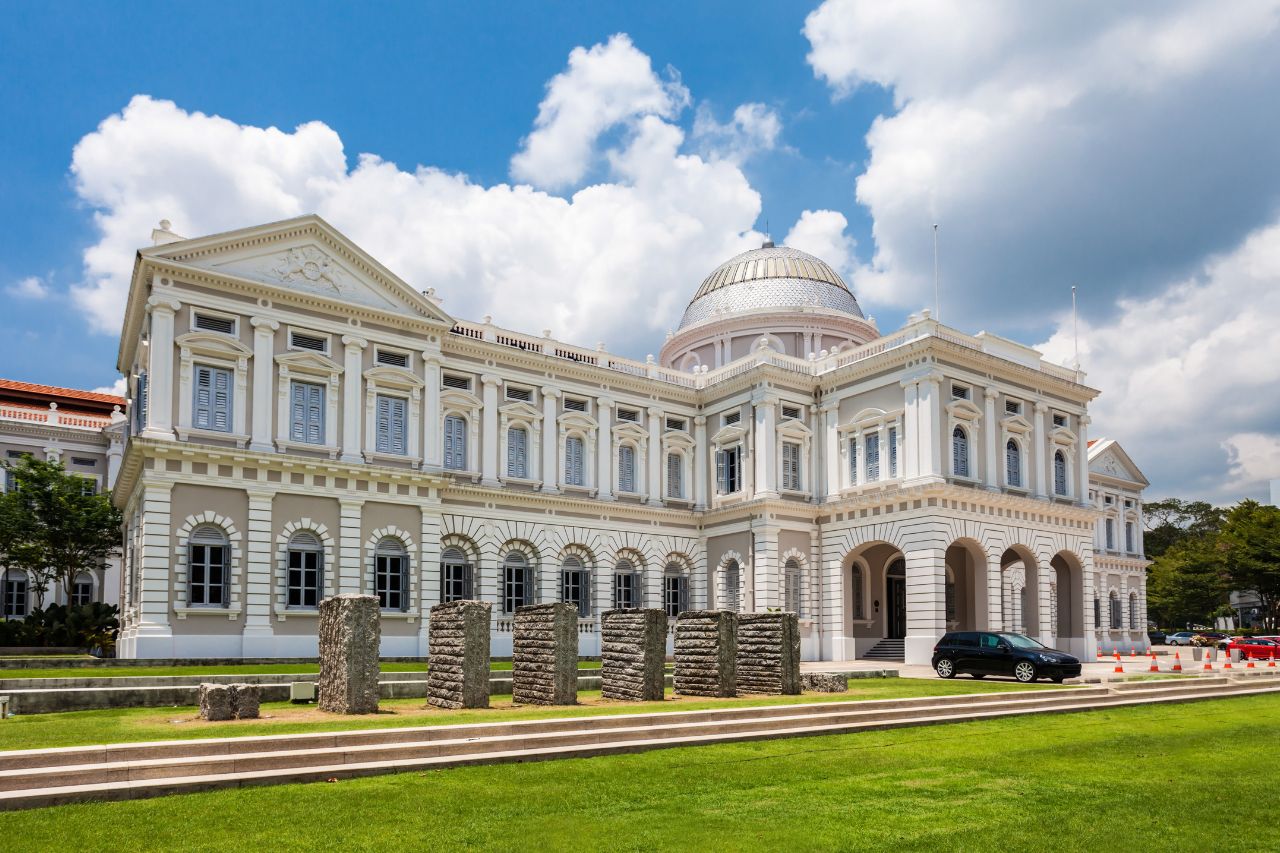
604, 449
352, 397
160, 388
700, 451
489, 438
653, 480
1039, 447
766, 590
349, 546
264, 331
115, 455
1082, 463
258, 637
432, 420
428, 568
1046, 630
550, 441
926, 602
831, 444
766, 440
910, 429
995, 595
990, 431
154, 633
929, 417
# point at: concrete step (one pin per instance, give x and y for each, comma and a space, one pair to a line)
107, 773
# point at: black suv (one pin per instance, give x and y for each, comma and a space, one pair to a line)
981, 653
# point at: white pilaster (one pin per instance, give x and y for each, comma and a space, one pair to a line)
154, 633
1082, 463
929, 418
653, 479
1046, 631
432, 417
349, 542
831, 445
766, 588
550, 441
995, 595
489, 438
428, 568
264, 331
160, 368
700, 451
259, 637
911, 429
1040, 458
926, 602
604, 450
352, 398
766, 439
990, 433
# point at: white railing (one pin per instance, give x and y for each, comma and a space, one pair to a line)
53, 417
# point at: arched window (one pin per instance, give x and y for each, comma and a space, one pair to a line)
207, 559
391, 574
857, 607
1059, 473
1116, 616
575, 585
1013, 464
517, 582
675, 476
15, 594
1133, 610
675, 585
959, 452
518, 453
455, 576
305, 581
455, 442
626, 593
626, 468
792, 594
574, 466
82, 590
730, 586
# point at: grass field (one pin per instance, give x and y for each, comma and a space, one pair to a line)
230, 669
1125, 779
74, 728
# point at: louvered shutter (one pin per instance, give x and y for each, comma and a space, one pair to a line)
222, 400
675, 488
873, 457
517, 445
202, 415
573, 461
398, 424
140, 401
455, 443
298, 412
893, 451
626, 469
722, 485
315, 414
853, 460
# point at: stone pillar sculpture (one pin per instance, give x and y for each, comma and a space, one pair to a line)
215, 702
458, 659
769, 653
633, 644
706, 651
350, 632
544, 654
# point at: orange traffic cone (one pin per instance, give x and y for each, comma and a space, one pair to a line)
1177, 662
1272, 663
1208, 660
1249, 663
1119, 664
1155, 666
1227, 665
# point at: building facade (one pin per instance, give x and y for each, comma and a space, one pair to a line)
305, 423
86, 432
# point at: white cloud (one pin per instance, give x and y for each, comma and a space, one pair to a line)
119, 388
753, 128
604, 86
31, 287
1107, 143
822, 233
614, 261
1189, 376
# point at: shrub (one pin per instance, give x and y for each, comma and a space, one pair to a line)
90, 626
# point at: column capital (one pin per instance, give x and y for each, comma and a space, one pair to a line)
163, 305
764, 397
700, 420
1085, 420
1041, 407
550, 393
431, 357
655, 412
353, 342
264, 325
490, 380
932, 376
910, 382
606, 402
832, 406
990, 394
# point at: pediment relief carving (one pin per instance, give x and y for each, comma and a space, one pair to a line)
392, 377
577, 419
965, 410
520, 411
308, 361
212, 343
728, 435
629, 430
459, 399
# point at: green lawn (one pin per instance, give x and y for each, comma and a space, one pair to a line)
1122, 779
230, 669
74, 728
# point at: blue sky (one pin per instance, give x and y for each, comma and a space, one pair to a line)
581, 166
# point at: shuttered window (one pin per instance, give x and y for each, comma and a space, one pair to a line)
626, 468
517, 582
893, 452
959, 453
730, 584
575, 585
207, 568
791, 466
518, 452
675, 475
212, 404
391, 575
625, 586
853, 461
728, 470
305, 577
791, 590
1059, 473
574, 470
873, 457
675, 591
392, 424
455, 576
140, 403
1013, 463
455, 443
307, 412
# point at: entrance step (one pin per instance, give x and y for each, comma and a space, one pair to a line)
888, 650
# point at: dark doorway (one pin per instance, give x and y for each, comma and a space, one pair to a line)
896, 601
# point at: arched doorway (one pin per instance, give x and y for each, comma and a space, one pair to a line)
966, 586
1068, 602
1020, 591
895, 595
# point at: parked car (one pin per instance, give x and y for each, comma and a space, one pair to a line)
1253, 647
981, 653
1156, 636
1182, 638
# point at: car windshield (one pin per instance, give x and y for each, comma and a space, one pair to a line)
1018, 641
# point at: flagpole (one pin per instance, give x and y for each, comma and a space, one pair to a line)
937, 292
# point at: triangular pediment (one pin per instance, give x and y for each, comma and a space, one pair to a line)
1108, 459
306, 255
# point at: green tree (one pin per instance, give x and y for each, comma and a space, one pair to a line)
1173, 520
1188, 582
51, 527
1251, 550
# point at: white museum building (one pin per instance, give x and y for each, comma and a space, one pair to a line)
303, 422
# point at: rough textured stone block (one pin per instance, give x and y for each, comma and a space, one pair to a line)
769, 653
245, 701
706, 652
633, 645
215, 702
544, 654
458, 655
350, 631
825, 682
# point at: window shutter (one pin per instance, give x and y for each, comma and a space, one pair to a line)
383, 443
722, 485
626, 469
853, 460
202, 417
675, 488
517, 458
140, 417
873, 456
315, 414
222, 400
455, 443
298, 412
893, 451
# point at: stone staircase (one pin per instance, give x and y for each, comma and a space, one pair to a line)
31, 778
888, 650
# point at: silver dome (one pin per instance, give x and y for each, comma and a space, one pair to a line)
769, 277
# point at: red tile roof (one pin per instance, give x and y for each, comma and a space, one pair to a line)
1092, 442
54, 391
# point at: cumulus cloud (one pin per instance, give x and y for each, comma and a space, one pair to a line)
119, 388
1111, 143
31, 287
1189, 376
752, 129
604, 86
823, 233
614, 261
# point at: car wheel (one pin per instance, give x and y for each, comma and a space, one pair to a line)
946, 668
1024, 671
